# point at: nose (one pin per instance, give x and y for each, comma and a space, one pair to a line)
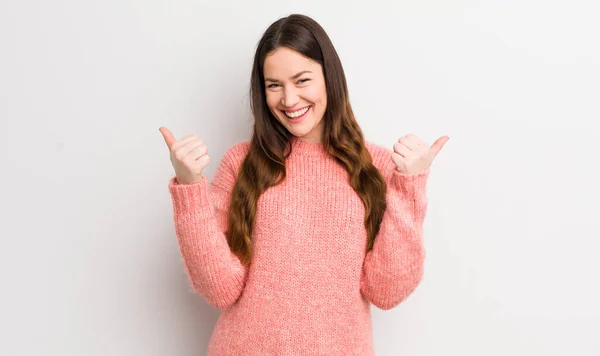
290, 98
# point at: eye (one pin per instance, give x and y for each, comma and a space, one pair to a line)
303, 80
271, 85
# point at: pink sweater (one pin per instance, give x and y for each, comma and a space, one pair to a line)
309, 287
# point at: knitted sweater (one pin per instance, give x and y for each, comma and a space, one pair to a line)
309, 287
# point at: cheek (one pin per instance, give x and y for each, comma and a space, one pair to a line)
324, 97
272, 100
317, 95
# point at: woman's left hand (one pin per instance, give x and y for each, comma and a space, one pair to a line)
412, 155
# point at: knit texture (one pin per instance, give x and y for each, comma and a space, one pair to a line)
309, 287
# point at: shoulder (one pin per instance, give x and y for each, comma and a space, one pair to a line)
230, 164
382, 157
238, 150
235, 154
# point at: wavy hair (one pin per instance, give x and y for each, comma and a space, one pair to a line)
270, 145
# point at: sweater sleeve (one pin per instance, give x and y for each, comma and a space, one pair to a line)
394, 266
200, 213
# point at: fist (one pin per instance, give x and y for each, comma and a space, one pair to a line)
189, 156
412, 155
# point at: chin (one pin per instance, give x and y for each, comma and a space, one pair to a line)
299, 132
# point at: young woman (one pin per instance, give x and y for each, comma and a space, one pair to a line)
306, 224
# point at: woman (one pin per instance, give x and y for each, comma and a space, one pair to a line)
306, 224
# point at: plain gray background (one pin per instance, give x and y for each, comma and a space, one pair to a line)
90, 262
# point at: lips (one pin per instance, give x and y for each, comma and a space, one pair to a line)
295, 113
300, 118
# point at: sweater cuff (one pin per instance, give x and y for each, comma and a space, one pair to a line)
191, 198
413, 185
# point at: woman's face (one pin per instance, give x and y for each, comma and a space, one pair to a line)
295, 92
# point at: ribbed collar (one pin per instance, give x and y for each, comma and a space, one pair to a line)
305, 148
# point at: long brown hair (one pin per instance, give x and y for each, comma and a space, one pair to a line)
270, 145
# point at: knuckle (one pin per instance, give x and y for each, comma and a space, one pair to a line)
179, 155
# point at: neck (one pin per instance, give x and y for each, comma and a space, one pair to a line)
307, 148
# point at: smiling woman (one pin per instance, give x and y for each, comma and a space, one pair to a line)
305, 225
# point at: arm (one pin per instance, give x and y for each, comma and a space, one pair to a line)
200, 212
394, 267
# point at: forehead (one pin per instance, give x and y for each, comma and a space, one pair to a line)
284, 62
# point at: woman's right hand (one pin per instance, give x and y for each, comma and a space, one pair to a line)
189, 156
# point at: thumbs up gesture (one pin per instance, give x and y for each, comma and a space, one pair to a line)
411, 154
189, 156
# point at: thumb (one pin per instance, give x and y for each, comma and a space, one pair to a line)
168, 136
438, 144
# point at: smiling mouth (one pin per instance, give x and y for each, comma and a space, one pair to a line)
297, 113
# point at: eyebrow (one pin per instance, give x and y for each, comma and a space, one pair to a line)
293, 77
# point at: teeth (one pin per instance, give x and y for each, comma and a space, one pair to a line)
296, 113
